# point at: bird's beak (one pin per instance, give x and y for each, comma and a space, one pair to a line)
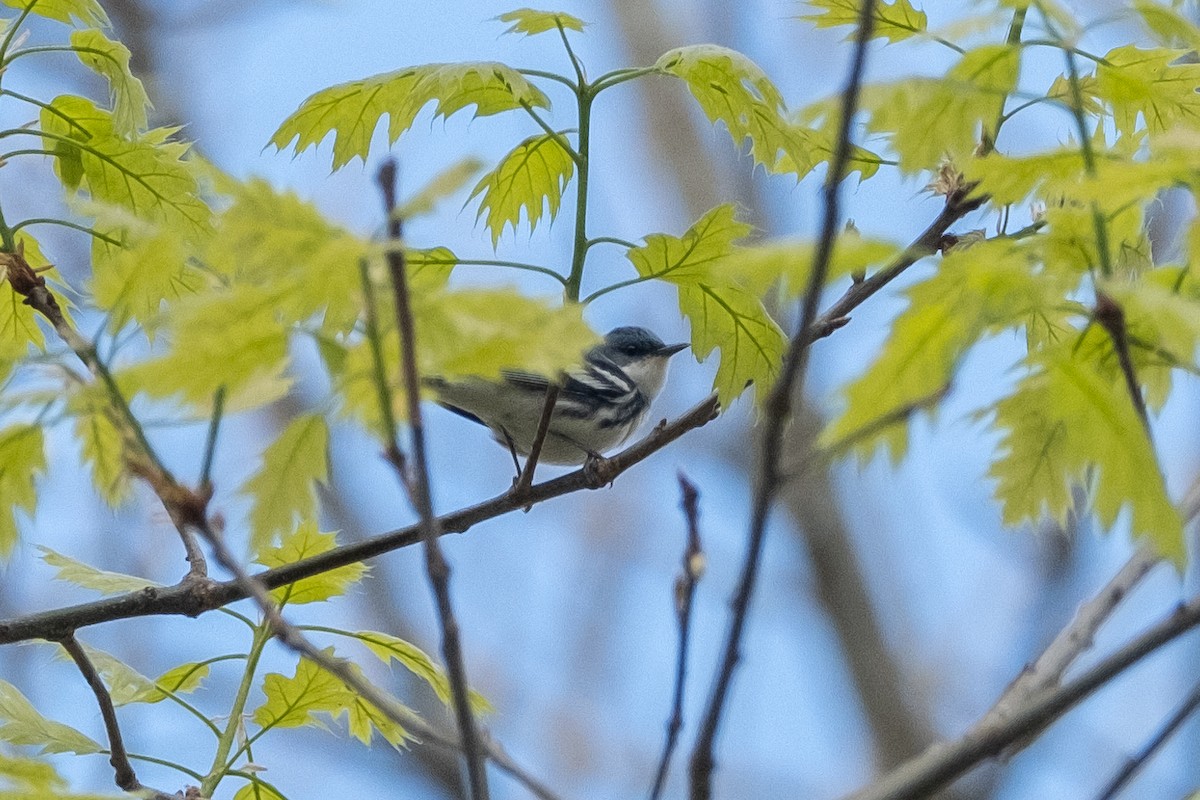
671, 349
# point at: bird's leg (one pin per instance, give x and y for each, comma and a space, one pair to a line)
512, 450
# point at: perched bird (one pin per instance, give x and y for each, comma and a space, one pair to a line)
598, 407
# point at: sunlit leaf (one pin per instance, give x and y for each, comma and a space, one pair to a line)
304, 543
1169, 27
389, 648
733, 90
1150, 85
257, 791
20, 723
21, 460
284, 489
352, 110
894, 21
110, 59
101, 444
532, 176
976, 291
1069, 424
531, 22
723, 315
89, 577
84, 12
145, 174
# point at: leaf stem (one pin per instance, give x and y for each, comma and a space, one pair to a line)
66, 224
628, 245
262, 635
12, 32
575, 62
550, 76
619, 76
553, 134
618, 285
585, 96
47, 106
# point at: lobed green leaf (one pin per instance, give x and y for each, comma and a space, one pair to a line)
283, 491
894, 21
110, 60
83, 12
531, 22
305, 542
531, 176
351, 111
89, 577
22, 458
21, 724
1069, 422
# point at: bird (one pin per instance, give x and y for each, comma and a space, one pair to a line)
599, 406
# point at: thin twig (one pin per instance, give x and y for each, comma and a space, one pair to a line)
435, 563
210, 443
685, 592
185, 507
1110, 316
191, 600
525, 479
943, 762
125, 777
1135, 762
778, 406
1048, 669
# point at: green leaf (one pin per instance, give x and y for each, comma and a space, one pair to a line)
145, 174
389, 648
445, 183
733, 90
977, 291
101, 444
895, 21
534, 174
90, 577
1068, 424
928, 119
722, 314
352, 110
126, 685
232, 338
22, 458
87, 12
430, 268
692, 256
304, 543
1168, 26
132, 282
732, 320
257, 791
295, 701
284, 490
20, 723
110, 60
789, 263
26, 777
531, 22
1150, 85
284, 245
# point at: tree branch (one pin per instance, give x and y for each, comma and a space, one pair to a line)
778, 407
436, 567
193, 599
1134, 763
944, 762
685, 592
125, 777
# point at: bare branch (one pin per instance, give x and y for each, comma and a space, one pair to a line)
525, 479
944, 762
1134, 763
194, 598
125, 778
778, 408
685, 592
435, 562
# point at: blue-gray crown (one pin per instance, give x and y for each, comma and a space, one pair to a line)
629, 343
